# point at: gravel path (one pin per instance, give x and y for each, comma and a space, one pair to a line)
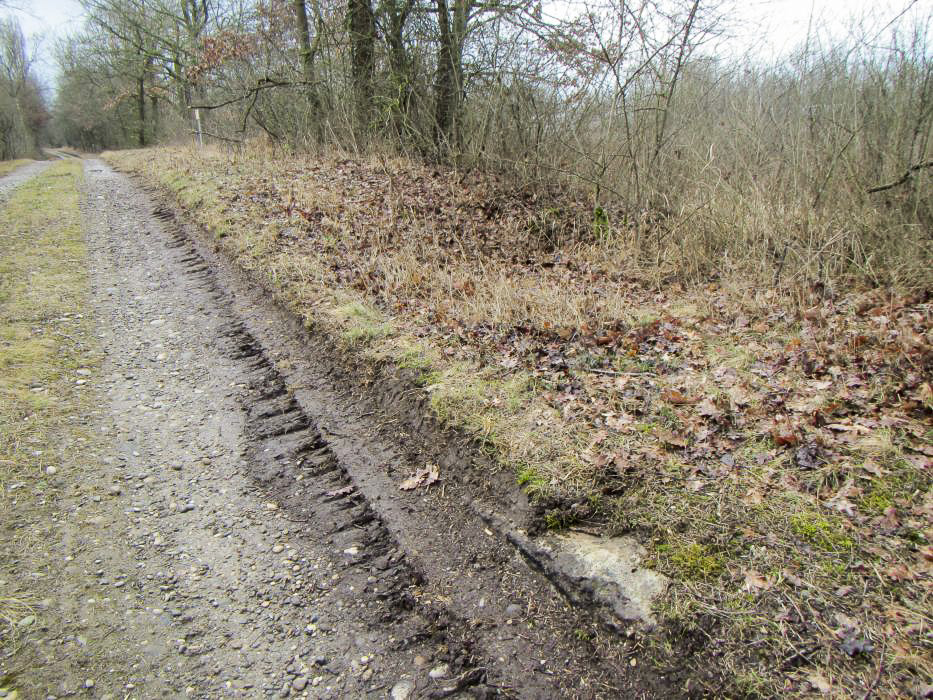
180, 576
226, 545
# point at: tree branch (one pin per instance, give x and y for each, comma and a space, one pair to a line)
903, 178
263, 84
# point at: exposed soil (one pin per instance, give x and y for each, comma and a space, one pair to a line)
244, 534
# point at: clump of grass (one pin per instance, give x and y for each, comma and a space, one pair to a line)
362, 323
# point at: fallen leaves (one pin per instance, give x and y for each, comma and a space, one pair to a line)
426, 476
723, 419
784, 436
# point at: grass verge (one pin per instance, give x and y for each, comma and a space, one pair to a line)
46, 352
770, 446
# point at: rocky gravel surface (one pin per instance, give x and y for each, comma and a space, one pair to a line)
238, 529
177, 574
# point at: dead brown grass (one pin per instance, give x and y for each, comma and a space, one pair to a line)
45, 336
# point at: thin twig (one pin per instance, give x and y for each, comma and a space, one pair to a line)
613, 373
216, 136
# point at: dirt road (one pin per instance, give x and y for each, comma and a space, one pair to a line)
226, 541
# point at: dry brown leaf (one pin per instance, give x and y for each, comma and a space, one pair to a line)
899, 572
345, 491
755, 581
677, 398
707, 408
621, 423
669, 438
423, 477
784, 434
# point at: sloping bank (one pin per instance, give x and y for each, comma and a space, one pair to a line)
517, 357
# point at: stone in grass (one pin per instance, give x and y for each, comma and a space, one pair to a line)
608, 570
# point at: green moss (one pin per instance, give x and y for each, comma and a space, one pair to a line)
820, 531
900, 482
691, 561
534, 483
601, 228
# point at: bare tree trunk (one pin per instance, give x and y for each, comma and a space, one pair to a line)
141, 108
449, 83
362, 47
304, 40
399, 63
444, 88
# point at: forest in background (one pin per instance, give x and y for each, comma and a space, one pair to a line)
813, 169
24, 113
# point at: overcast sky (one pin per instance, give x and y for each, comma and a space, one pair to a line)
766, 27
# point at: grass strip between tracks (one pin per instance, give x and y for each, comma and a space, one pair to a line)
47, 352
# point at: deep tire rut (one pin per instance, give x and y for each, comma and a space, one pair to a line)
284, 451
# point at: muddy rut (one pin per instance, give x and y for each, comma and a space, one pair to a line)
251, 539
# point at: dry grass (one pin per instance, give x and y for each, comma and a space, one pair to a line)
771, 446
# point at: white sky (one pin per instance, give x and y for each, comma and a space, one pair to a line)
765, 27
